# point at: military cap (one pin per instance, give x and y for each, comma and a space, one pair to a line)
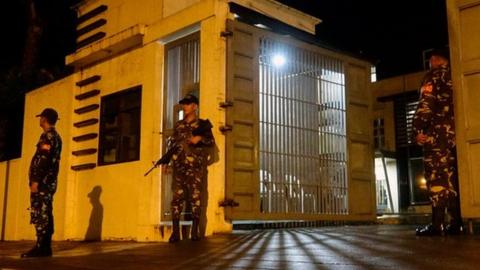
189, 99
50, 114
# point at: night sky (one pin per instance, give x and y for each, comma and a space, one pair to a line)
58, 38
392, 34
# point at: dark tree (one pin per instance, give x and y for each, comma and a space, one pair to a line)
39, 33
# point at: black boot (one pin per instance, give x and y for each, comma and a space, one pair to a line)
456, 224
429, 230
41, 249
34, 251
175, 237
436, 227
46, 245
451, 229
194, 234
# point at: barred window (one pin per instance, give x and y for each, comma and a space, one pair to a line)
120, 127
379, 133
404, 113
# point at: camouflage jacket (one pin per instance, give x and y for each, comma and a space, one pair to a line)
45, 162
434, 115
183, 131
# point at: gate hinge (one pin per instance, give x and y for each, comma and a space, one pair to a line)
226, 33
225, 104
225, 128
228, 203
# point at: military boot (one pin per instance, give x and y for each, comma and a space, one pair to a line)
39, 250
452, 229
194, 234
175, 237
33, 252
456, 224
436, 227
46, 245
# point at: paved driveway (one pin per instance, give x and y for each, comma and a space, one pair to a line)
349, 247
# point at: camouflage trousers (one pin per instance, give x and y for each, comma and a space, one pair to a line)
441, 176
186, 186
41, 216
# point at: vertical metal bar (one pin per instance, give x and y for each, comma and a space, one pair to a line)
315, 148
269, 120
308, 99
270, 123
320, 136
270, 127
331, 189
262, 136
303, 118
286, 90
334, 138
337, 143
297, 92
274, 132
342, 135
309, 123
264, 126
279, 92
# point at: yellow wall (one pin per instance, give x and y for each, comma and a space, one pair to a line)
173, 6
9, 172
126, 195
212, 92
123, 14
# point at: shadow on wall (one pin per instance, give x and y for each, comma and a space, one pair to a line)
213, 157
94, 231
204, 203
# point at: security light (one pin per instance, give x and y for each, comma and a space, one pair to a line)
278, 60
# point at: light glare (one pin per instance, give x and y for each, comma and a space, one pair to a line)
278, 60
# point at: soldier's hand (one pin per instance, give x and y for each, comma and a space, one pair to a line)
34, 187
194, 139
421, 138
166, 169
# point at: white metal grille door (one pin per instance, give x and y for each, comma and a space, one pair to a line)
302, 142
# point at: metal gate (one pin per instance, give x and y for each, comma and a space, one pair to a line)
286, 155
302, 131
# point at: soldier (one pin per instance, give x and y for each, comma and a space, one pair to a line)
192, 136
43, 183
434, 128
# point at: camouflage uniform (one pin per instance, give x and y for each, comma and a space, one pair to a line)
44, 170
434, 118
189, 166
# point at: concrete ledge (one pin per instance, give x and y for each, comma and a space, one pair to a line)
108, 47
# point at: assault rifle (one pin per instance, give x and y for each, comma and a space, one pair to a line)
203, 127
